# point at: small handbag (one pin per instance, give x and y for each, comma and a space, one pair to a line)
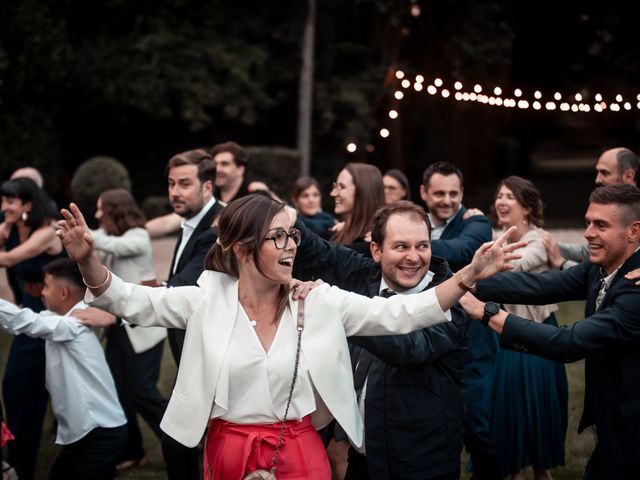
271, 473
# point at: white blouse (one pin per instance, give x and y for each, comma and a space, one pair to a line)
262, 380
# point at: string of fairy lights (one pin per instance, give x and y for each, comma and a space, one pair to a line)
579, 102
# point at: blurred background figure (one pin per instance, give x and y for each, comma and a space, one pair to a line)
396, 186
29, 241
531, 393
133, 354
358, 192
307, 199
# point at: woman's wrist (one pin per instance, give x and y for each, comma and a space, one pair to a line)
465, 278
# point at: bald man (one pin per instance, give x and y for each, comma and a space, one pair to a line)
29, 172
615, 166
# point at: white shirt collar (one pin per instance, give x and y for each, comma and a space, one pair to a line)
426, 280
192, 223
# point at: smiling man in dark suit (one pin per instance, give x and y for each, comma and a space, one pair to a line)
608, 338
191, 176
410, 387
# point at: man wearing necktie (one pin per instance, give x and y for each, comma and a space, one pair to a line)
191, 176
410, 387
608, 338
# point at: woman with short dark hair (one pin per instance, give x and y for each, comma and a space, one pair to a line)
29, 242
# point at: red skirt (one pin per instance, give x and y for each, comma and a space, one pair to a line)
233, 450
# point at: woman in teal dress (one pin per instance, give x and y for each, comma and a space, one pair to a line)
530, 398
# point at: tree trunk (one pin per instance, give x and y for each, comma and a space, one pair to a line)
305, 106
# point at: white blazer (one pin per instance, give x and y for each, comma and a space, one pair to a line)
129, 256
208, 313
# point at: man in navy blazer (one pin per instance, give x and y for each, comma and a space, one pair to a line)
457, 233
608, 338
191, 177
414, 399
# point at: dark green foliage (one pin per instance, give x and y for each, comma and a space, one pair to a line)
93, 177
278, 167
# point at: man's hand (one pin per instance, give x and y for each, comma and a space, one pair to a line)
94, 317
633, 275
555, 258
301, 289
472, 212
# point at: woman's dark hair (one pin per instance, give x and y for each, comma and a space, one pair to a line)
300, 185
42, 209
244, 221
401, 178
369, 196
119, 206
527, 195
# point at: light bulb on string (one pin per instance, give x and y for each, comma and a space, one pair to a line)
578, 97
419, 78
537, 95
627, 106
417, 86
618, 98
351, 147
557, 96
431, 90
537, 105
477, 88
405, 83
497, 91
458, 96
445, 93
393, 114
399, 74
458, 86
438, 82
384, 133
399, 95
517, 92
574, 108
598, 97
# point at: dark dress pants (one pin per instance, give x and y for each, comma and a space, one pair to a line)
25, 402
93, 457
358, 470
479, 441
183, 463
136, 376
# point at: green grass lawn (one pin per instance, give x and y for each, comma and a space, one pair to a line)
577, 447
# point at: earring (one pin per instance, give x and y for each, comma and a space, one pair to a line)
25, 216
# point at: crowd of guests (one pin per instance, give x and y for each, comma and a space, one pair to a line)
319, 345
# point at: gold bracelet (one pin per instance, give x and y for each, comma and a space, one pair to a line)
103, 283
458, 279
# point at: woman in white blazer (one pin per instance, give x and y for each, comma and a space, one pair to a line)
133, 354
240, 341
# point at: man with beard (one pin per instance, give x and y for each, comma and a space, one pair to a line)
191, 176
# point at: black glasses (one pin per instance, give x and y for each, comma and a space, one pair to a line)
281, 238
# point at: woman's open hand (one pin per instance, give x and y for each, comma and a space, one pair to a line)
493, 257
74, 234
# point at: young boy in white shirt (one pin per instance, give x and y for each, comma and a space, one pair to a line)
91, 424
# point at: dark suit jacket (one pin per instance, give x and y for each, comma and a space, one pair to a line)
190, 266
461, 238
459, 241
608, 340
414, 406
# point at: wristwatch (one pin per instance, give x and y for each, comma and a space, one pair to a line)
490, 309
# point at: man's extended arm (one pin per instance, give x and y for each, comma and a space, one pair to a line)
536, 288
424, 346
334, 263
